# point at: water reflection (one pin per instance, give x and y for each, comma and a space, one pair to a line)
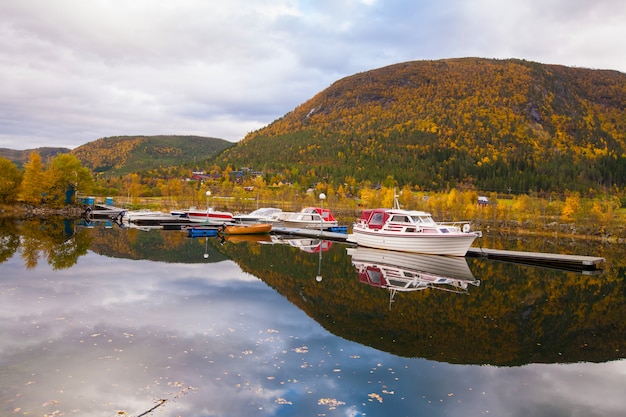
54, 240
305, 244
404, 272
144, 317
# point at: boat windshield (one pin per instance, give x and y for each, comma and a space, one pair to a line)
423, 219
265, 211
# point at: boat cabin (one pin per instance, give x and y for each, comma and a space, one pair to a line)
377, 218
326, 214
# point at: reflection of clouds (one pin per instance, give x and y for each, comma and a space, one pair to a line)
118, 335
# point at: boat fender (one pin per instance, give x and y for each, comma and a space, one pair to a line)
466, 228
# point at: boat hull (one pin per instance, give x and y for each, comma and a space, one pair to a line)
453, 244
253, 229
211, 217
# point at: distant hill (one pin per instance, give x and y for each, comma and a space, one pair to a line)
19, 158
493, 124
121, 155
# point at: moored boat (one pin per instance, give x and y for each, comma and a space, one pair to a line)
208, 215
150, 217
248, 229
261, 215
411, 231
309, 218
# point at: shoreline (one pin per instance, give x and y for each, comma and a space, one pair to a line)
23, 211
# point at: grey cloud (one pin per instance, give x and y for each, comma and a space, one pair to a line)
72, 72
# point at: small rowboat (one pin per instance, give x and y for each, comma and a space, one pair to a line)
248, 229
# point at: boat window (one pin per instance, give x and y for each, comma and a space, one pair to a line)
400, 219
377, 219
375, 276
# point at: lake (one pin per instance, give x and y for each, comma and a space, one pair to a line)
100, 320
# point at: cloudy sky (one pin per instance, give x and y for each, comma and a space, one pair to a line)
73, 71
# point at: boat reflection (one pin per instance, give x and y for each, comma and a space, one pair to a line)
258, 238
305, 244
403, 271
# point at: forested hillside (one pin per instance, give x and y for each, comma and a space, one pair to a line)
19, 158
494, 124
126, 154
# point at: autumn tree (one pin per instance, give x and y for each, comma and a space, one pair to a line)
34, 187
572, 205
10, 179
65, 176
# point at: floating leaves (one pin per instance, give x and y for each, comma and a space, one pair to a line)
331, 403
374, 396
283, 401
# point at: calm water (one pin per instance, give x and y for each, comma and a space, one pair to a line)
108, 321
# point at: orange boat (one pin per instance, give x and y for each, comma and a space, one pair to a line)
248, 229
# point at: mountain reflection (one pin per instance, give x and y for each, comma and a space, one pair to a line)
518, 315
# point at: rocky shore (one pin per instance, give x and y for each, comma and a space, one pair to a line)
25, 211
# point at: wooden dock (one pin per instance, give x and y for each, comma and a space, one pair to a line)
576, 263
550, 260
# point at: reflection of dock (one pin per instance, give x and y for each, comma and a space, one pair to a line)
316, 233
588, 264
104, 211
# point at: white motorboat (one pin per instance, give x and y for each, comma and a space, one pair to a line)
261, 215
309, 218
411, 231
208, 215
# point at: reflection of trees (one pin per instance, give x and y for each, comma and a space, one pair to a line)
166, 246
9, 239
67, 253
519, 315
55, 239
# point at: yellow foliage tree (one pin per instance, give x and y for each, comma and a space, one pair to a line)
10, 180
33, 188
572, 205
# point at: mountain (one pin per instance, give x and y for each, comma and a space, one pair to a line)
121, 155
19, 158
492, 124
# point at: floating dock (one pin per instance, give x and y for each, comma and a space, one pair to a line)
550, 260
577, 263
